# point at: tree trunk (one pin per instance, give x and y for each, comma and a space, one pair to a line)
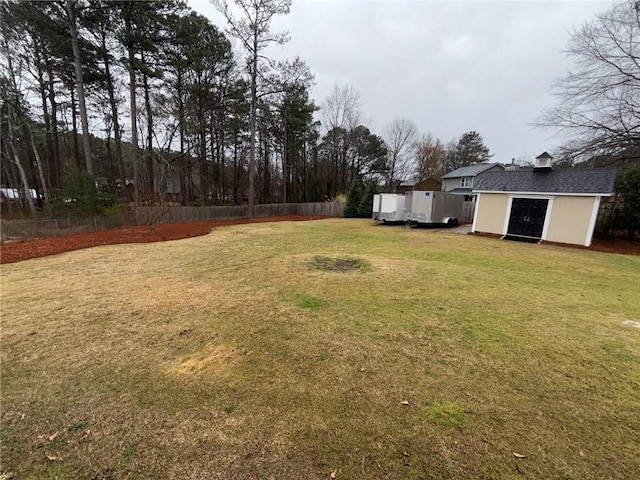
215, 153
183, 159
42, 89
86, 139
43, 181
134, 109
285, 160
223, 173
22, 172
56, 175
9, 174
252, 121
204, 184
74, 129
202, 157
149, 155
114, 115
266, 177
236, 173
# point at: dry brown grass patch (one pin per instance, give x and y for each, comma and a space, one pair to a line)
211, 360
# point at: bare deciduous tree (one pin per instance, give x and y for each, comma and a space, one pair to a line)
430, 157
399, 136
599, 99
251, 28
342, 108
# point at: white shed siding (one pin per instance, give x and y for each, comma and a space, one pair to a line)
570, 220
491, 211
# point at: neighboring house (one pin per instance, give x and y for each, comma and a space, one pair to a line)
14, 194
13, 198
462, 181
168, 189
429, 185
542, 204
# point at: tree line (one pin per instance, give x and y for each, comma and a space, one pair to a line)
107, 102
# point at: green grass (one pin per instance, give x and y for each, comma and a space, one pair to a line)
231, 356
445, 413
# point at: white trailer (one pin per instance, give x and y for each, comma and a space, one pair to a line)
432, 208
388, 208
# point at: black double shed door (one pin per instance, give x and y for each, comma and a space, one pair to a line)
527, 217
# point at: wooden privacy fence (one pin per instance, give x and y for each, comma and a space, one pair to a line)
15, 230
166, 214
468, 209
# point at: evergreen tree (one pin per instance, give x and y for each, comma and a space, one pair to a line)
351, 209
297, 118
628, 216
468, 150
365, 209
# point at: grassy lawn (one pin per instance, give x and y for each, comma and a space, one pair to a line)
235, 355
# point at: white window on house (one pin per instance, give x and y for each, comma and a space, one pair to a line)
465, 182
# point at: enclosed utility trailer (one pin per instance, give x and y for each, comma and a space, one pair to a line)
388, 208
432, 208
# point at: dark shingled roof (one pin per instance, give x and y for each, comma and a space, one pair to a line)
574, 180
470, 171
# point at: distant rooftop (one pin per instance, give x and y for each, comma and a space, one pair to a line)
471, 171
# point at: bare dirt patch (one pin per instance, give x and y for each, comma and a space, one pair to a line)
41, 247
328, 264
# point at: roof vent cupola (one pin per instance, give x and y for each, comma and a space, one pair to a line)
543, 163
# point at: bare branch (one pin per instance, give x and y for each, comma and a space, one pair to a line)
598, 100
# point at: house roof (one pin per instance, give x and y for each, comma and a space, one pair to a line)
571, 180
471, 171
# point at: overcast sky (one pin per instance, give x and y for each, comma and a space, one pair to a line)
449, 66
